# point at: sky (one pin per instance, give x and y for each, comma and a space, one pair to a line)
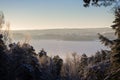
50, 14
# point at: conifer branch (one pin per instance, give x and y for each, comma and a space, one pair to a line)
105, 40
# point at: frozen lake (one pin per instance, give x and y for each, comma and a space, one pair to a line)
54, 47
65, 41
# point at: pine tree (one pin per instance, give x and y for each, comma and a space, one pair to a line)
98, 3
57, 62
115, 49
4, 61
114, 44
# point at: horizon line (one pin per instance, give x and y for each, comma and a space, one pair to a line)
59, 28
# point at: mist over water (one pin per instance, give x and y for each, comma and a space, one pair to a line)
65, 41
63, 48
54, 47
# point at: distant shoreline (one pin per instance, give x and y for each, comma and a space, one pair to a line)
64, 34
59, 29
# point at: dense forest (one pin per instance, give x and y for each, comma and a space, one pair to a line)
19, 61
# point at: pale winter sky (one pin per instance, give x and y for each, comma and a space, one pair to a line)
49, 14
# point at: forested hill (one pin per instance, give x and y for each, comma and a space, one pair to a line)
87, 34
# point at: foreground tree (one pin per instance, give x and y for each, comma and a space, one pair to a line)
115, 58
115, 47
99, 2
4, 60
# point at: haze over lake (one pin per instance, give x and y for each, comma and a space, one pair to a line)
65, 41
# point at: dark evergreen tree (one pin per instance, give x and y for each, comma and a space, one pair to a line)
4, 61
114, 44
83, 64
115, 58
57, 62
42, 52
99, 2
84, 60
103, 55
91, 60
97, 58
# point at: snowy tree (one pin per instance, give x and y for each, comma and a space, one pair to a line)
114, 44
99, 2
